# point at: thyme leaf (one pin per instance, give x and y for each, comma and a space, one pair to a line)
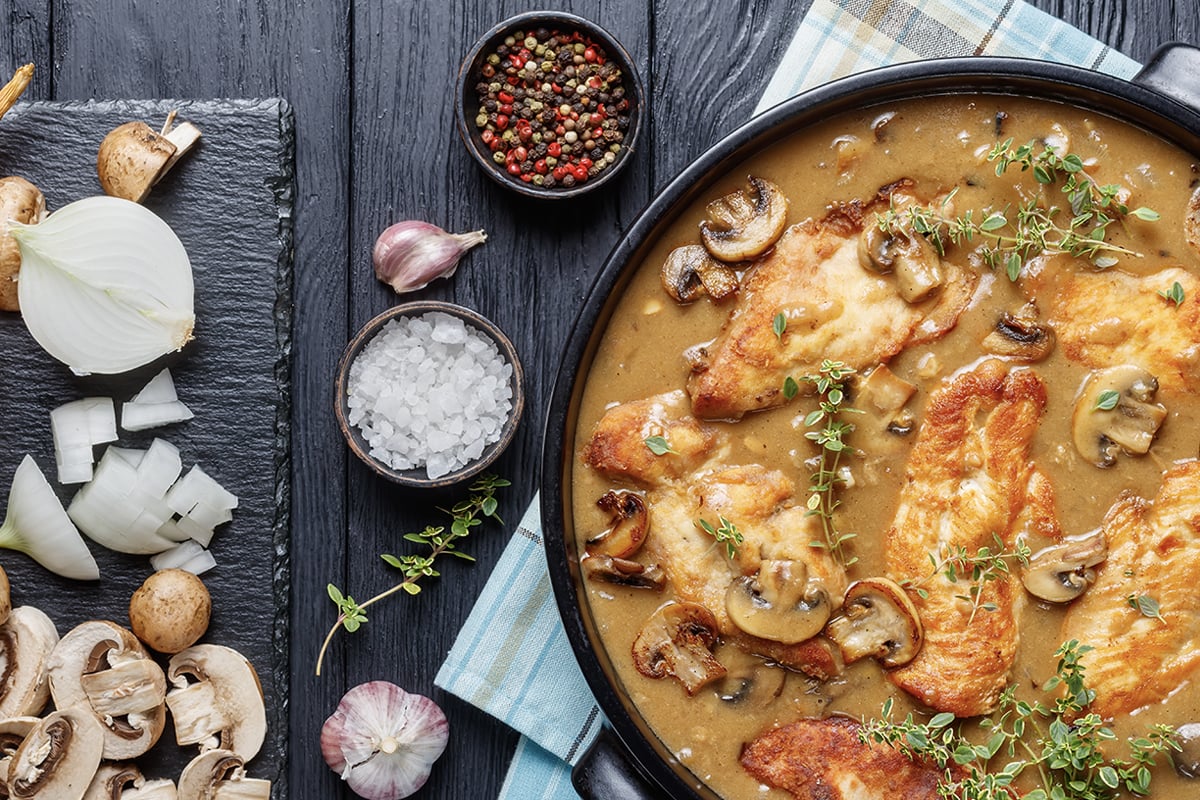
725, 533
1147, 606
831, 438
659, 445
1107, 400
1174, 294
779, 325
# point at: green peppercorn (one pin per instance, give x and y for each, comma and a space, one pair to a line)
537, 138
498, 157
530, 42
493, 59
481, 121
580, 47
540, 50
538, 180
509, 41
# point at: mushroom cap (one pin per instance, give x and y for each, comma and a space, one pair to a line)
780, 603
746, 223
628, 528
170, 611
878, 620
1062, 572
110, 781
224, 708
1128, 426
690, 271
130, 160
102, 668
1021, 336
58, 758
12, 732
204, 773
624, 572
906, 254
677, 640
23, 202
26, 641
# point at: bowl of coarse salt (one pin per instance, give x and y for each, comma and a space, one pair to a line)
429, 393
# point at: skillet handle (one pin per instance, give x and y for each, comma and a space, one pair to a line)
1172, 71
606, 773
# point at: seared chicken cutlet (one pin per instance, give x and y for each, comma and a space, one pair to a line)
1110, 318
966, 481
1153, 551
822, 759
836, 308
618, 443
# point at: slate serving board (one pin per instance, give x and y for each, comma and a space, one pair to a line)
230, 202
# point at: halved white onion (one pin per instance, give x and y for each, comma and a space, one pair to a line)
105, 285
37, 526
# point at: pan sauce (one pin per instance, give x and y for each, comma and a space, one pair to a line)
935, 142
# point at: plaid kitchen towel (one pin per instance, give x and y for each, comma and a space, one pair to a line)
512, 658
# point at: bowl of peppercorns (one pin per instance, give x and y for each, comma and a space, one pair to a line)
548, 104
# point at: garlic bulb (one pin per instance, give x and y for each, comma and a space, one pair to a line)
105, 285
383, 741
410, 254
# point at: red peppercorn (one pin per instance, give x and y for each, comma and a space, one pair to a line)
560, 130
580, 172
501, 122
554, 149
520, 153
585, 162
495, 144
516, 61
487, 137
559, 173
589, 55
527, 177
524, 133
514, 168
504, 108
540, 167
504, 97
512, 80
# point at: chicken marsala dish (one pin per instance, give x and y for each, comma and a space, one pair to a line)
886, 479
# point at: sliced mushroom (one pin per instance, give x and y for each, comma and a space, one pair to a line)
26, 641
624, 572
5, 597
629, 524
1022, 336
102, 668
745, 224
1101, 433
750, 682
886, 391
12, 732
915, 262
1187, 760
220, 774
20, 201
677, 640
123, 781
690, 272
224, 707
780, 603
878, 620
1061, 572
1191, 221
133, 157
58, 758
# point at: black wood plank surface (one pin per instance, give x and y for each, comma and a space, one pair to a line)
370, 82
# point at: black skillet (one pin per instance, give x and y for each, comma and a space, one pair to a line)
628, 761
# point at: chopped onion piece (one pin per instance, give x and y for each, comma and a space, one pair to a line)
160, 389
159, 468
142, 416
37, 526
113, 509
106, 285
198, 487
131, 456
171, 530
76, 427
188, 555
195, 530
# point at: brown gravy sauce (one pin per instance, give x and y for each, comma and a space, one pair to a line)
937, 143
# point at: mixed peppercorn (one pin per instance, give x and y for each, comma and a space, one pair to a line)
552, 108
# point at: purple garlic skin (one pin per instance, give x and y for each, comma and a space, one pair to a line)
410, 254
383, 740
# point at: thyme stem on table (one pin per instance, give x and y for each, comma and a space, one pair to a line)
464, 516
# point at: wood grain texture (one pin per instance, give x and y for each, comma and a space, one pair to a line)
370, 81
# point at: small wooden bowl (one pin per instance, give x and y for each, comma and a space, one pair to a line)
417, 477
466, 103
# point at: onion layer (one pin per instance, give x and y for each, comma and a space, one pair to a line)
38, 526
105, 285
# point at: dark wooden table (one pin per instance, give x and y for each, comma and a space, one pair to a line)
370, 82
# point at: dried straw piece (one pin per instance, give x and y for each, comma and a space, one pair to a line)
13, 90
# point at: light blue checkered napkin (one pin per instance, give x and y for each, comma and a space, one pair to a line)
512, 658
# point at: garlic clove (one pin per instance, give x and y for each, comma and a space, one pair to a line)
410, 254
383, 741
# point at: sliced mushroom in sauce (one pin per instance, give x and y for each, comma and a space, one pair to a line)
779, 604
745, 224
677, 640
906, 254
690, 272
1115, 412
1021, 336
629, 524
877, 620
623, 572
1064, 571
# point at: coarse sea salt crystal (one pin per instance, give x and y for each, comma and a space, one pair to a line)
429, 391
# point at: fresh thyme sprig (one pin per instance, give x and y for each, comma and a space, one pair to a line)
1063, 743
725, 533
1010, 238
831, 438
464, 516
986, 565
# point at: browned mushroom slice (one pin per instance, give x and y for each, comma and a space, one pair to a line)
1022, 336
751, 682
677, 640
690, 272
909, 255
1062, 572
1116, 412
26, 641
220, 774
628, 528
102, 668
1191, 222
1187, 760
877, 620
745, 224
133, 157
780, 603
20, 201
624, 572
58, 758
